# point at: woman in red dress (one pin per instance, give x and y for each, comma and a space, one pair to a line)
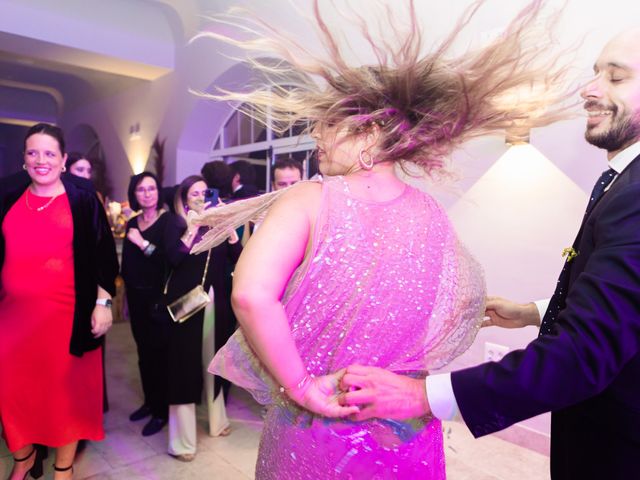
58, 266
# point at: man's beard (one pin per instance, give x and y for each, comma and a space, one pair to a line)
621, 134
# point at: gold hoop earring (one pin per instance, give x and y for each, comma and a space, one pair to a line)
366, 165
64, 169
24, 166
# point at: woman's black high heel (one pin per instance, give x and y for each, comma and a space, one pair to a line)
36, 469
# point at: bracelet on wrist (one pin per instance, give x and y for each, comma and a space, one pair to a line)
149, 249
300, 386
187, 236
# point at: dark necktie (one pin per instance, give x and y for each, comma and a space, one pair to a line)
557, 302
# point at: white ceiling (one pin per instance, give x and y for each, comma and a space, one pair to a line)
60, 54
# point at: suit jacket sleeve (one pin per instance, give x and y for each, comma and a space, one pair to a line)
597, 334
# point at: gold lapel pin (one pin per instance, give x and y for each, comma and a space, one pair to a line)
570, 253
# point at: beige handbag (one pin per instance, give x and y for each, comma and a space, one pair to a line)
191, 302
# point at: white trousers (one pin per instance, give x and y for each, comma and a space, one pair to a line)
182, 418
182, 429
217, 412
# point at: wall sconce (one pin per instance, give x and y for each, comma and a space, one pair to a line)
517, 136
137, 162
134, 132
522, 162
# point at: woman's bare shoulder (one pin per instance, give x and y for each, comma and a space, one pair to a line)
302, 195
298, 205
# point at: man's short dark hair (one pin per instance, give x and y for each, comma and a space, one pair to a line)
218, 174
246, 171
283, 163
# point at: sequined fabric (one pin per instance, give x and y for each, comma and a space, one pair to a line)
387, 284
295, 447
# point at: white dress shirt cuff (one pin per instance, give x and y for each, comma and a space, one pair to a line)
542, 306
440, 396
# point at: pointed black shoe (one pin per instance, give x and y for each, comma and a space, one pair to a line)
154, 426
140, 413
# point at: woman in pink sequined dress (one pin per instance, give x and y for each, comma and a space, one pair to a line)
362, 268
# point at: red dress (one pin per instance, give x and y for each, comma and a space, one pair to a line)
47, 395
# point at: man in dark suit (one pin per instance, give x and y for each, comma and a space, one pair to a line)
585, 365
243, 182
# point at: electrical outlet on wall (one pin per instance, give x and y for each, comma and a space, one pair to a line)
494, 352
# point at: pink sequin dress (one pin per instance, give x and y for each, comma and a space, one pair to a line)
387, 284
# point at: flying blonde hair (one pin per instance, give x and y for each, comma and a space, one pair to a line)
425, 104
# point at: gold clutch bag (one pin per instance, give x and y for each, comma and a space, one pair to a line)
191, 302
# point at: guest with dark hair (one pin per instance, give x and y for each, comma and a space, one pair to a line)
79, 165
55, 235
185, 339
151, 240
243, 181
218, 175
286, 172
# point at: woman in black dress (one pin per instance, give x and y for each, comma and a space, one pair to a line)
152, 238
185, 339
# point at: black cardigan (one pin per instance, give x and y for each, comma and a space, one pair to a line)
94, 254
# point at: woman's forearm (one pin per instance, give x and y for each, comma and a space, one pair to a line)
266, 327
188, 237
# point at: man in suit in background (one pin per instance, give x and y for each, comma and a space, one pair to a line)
218, 175
286, 172
585, 365
243, 181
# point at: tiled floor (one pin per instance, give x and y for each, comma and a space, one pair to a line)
126, 455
